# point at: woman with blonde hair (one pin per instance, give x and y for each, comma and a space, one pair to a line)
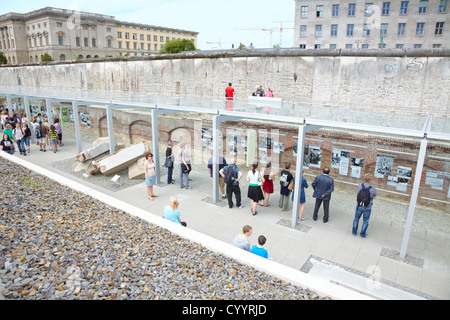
172, 213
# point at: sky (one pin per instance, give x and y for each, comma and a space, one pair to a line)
217, 21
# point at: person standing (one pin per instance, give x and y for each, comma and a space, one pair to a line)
18, 137
169, 162
222, 164
43, 136
58, 131
241, 240
285, 179
302, 198
150, 175
366, 194
254, 189
53, 138
185, 165
267, 187
323, 186
26, 137
233, 184
229, 92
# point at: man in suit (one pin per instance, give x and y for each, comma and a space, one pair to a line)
323, 186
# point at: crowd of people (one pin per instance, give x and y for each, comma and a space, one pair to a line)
22, 131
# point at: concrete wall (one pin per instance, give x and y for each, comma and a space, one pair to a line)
418, 80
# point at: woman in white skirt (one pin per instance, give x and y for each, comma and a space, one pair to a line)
150, 175
254, 189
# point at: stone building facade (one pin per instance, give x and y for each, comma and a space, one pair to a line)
69, 34
368, 24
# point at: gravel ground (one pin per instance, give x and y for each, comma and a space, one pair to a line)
56, 243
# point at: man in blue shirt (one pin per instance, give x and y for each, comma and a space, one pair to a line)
364, 211
234, 186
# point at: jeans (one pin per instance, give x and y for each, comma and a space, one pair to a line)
184, 177
169, 175
21, 145
365, 212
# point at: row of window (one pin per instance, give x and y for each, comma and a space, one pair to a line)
141, 47
142, 37
366, 46
420, 29
369, 9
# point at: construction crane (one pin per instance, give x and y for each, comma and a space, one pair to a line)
271, 30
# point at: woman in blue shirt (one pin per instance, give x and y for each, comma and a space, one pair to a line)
172, 213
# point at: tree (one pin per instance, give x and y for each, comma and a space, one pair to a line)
177, 46
3, 59
46, 58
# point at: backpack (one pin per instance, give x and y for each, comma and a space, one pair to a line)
38, 133
363, 197
229, 179
283, 180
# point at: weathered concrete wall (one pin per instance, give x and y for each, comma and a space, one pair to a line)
418, 80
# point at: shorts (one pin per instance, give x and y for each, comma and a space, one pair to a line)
54, 141
42, 140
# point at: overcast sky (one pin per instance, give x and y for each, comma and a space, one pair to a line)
215, 20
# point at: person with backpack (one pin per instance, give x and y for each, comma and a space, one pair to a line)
231, 176
285, 179
364, 199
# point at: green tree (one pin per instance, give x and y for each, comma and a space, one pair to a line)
3, 59
46, 58
177, 46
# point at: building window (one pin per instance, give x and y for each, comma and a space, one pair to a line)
417, 46
141, 37
61, 40
401, 29
62, 57
149, 47
332, 46
386, 8
439, 28
304, 12
127, 45
109, 43
149, 38
120, 44
319, 11
350, 29
155, 38
161, 39
58, 24
366, 30
94, 43
335, 10
435, 46
382, 46
86, 42
78, 42
135, 45
351, 9
317, 46
404, 7
318, 30
348, 46
302, 46
423, 6
419, 28
108, 29
119, 34
303, 29
399, 46
334, 29
384, 29
369, 9
365, 46
443, 6
134, 36
127, 35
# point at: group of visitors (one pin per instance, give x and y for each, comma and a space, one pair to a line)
261, 186
22, 131
259, 92
241, 241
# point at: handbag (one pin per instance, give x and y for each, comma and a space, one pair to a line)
260, 183
185, 169
291, 185
168, 163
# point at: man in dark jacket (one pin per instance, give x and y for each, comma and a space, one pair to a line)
323, 186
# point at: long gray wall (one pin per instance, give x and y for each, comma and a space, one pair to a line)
418, 80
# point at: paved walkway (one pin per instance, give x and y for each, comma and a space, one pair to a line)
322, 249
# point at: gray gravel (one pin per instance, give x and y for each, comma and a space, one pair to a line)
56, 244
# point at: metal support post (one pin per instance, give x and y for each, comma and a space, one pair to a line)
109, 121
26, 104
215, 156
9, 106
155, 141
298, 175
76, 121
48, 106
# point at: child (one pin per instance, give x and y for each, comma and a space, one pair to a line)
54, 138
259, 250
